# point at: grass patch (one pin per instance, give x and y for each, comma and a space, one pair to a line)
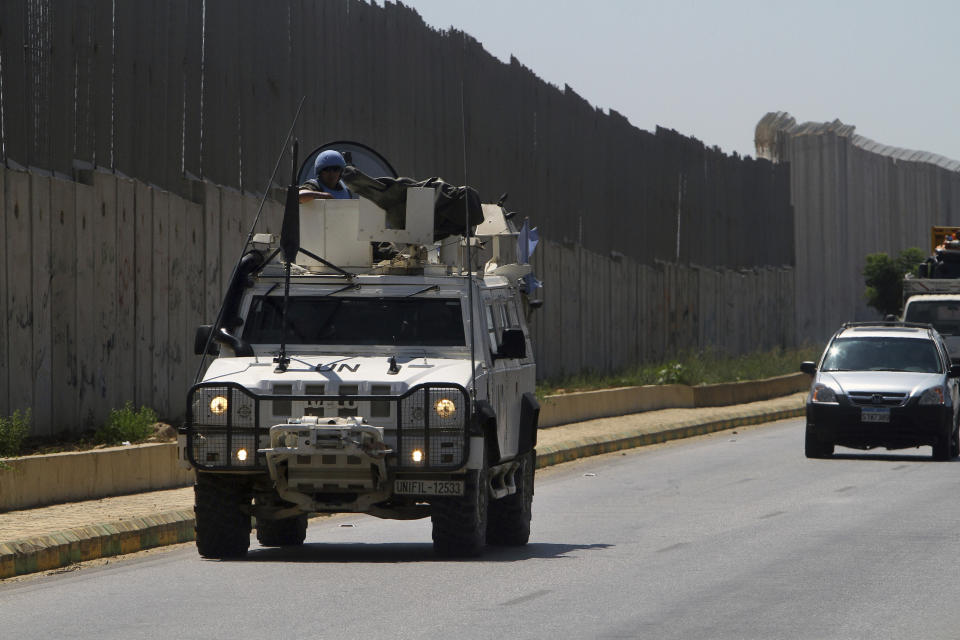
126, 425
13, 431
691, 369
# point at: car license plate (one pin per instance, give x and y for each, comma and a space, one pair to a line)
429, 487
874, 414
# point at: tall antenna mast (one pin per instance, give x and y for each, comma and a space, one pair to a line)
466, 216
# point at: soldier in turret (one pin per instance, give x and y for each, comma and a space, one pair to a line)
329, 168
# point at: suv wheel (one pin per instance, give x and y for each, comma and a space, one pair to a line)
282, 533
222, 512
509, 517
816, 448
460, 523
943, 447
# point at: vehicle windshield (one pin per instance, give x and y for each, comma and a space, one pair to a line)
330, 320
882, 354
944, 315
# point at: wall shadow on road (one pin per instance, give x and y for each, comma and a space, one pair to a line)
394, 552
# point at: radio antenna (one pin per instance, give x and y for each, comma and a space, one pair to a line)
466, 215
249, 239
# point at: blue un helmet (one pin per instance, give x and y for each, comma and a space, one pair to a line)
329, 158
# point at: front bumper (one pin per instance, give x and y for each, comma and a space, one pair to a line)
911, 425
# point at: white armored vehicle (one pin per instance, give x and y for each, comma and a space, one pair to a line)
347, 379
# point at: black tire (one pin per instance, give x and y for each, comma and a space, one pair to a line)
508, 519
222, 511
282, 533
955, 443
814, 447
460, 523
943, 447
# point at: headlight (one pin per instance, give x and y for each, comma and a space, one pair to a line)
932, 396
218, 405
445, 408
824, 394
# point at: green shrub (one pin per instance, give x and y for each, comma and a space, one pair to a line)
673, 373
127, 425
13, 431
883, 277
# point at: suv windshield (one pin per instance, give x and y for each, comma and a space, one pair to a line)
882, 354
356, 321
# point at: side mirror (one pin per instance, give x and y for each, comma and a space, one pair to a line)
955, 370
512, 345
201, 338
808, 367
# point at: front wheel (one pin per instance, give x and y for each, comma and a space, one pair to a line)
943, 448
222, 512
509, 517
282, 533
460, 523
816, 448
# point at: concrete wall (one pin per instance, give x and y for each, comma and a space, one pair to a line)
169, 92
106, 281
134, 135
852, 197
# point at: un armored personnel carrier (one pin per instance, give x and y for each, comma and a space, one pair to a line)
350, 378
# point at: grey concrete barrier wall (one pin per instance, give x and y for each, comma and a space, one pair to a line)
852, 197
107, 279
174, 91
104, 282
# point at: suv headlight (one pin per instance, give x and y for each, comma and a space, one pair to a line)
932, 396
823, 394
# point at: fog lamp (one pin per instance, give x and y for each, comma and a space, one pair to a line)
241, 455
416, 455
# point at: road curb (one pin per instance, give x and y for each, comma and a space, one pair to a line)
63, 548
585, 447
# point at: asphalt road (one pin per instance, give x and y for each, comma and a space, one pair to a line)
732, 535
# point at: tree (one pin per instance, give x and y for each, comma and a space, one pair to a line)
884, 278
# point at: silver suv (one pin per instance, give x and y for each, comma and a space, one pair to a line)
883, 384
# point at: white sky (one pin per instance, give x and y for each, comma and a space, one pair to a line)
711, 70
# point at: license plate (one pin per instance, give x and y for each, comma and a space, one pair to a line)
874, 414
429, 487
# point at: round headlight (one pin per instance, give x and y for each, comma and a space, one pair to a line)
445, 408
218, 405
416, 455
242, 455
